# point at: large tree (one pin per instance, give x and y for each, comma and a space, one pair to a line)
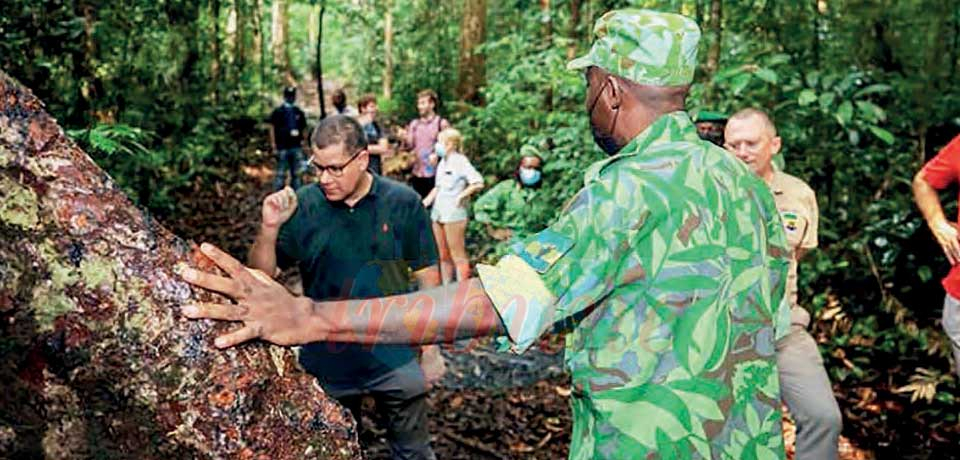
95, 359
472, 65
278, 40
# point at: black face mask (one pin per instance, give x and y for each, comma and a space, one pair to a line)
605, 141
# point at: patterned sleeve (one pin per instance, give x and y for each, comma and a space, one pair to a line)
487, 208
565, 269
777, 263
941, 171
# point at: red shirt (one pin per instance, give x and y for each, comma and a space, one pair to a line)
940, 172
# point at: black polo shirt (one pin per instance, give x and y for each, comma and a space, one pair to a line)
369, 250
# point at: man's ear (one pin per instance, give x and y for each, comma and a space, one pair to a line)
775, 144
614, 92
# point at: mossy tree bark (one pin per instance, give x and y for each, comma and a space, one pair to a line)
95, 358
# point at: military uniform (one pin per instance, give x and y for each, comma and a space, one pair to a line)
667, 269
806, 386
510, 205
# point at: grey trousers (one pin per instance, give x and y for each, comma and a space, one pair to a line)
807, 392
401, 402
951, 325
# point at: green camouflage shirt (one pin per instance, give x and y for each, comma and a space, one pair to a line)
508, 205
669, 268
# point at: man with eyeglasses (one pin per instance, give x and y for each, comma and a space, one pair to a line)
356, 235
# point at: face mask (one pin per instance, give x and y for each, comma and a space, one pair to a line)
605, 141
529, 176
439, 150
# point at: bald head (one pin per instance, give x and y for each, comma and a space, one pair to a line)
763, 118
752, 137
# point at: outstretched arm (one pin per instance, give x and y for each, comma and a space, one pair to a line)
270, 312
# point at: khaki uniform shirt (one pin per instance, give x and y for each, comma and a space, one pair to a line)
798, 210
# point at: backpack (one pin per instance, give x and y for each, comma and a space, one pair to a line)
289, 117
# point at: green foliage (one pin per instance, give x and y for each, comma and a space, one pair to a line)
149, 176
862, 92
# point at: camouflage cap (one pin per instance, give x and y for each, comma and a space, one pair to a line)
708, 116
529, 151
647, 47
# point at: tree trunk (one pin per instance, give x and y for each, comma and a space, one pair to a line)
472, 67
955, 50
388, 51
713, 54
217, 64
230, 33
278, 40
716, 29
323, 101
573, 32
819, 8
546, 19
96, 359
89, 86
240, 50
259, 49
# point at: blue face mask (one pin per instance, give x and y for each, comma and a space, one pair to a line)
439, 150
529, 176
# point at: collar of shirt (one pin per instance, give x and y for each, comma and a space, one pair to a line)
371, 194
417, 122
672, 127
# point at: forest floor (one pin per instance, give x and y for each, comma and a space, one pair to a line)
488, 406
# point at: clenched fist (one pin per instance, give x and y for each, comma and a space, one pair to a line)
278, 207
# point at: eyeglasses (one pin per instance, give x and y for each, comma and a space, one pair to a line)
336, 170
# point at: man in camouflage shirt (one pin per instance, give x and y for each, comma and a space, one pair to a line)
667, 269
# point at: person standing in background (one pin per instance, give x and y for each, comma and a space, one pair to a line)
457, 180
377, 143
288, 130
421, 137
339, 100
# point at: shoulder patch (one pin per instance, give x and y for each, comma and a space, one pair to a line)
542, 250
791, 220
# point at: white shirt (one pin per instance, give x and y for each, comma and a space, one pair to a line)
454, 173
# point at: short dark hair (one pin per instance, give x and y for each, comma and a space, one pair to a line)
339, 99
339, 129
290, 93
366, 100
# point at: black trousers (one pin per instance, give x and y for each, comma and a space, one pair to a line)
422, 185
